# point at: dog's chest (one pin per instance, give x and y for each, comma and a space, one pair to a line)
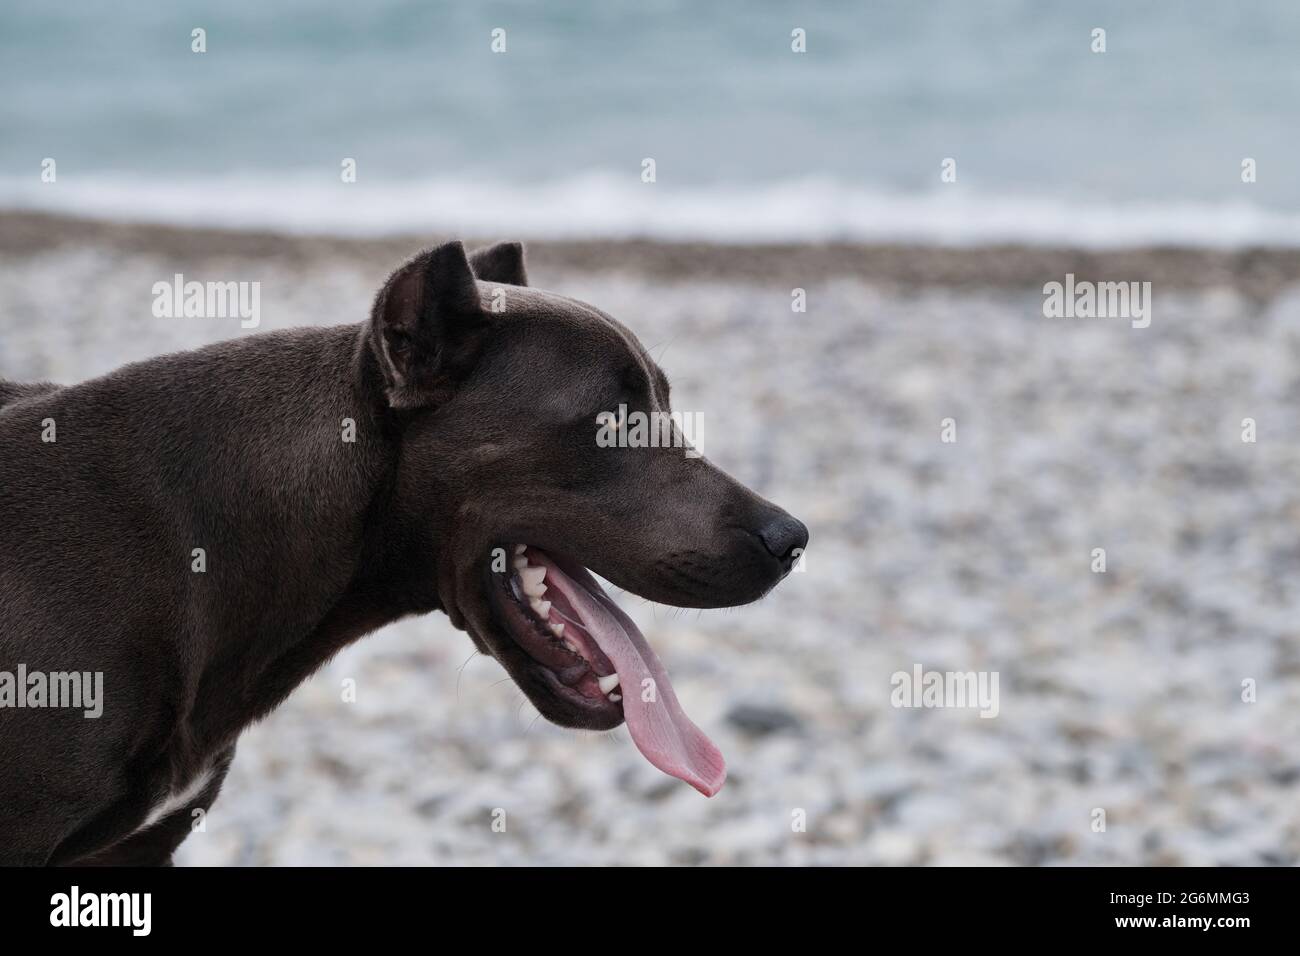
177, 799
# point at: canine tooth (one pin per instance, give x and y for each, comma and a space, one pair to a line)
615, 697
558, 631
520, 548
608, 683
520, 563
541, 608
532, 578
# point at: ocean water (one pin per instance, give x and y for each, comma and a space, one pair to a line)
1053, 142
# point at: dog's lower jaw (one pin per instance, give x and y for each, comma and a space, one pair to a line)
571, 650
560, 705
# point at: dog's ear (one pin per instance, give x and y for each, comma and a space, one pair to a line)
427, 326
503, 262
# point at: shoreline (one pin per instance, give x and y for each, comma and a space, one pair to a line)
1260, 273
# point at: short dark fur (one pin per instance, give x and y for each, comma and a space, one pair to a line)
474, 429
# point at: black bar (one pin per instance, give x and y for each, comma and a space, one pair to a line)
333, 906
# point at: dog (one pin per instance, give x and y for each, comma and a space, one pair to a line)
201, 531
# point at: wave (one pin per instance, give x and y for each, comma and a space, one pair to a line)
603, 206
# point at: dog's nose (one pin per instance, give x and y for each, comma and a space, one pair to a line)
785, 537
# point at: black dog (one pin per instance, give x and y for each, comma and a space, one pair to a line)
204, 530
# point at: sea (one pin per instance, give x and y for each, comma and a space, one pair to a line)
951, 122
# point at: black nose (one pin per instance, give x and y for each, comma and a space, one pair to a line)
785, 537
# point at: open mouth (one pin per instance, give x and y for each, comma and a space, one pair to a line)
591, 657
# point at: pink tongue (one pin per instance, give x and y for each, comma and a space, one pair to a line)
660, 728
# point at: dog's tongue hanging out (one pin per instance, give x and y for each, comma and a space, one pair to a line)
659, 726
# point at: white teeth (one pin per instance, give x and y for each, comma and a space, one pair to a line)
608, 683
520, 563
615, 697
573, 647
519, 548
558, 631
541, 608
532, 580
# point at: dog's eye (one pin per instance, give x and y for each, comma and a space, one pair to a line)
398, 342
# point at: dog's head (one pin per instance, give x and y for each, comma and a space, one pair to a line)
538, 443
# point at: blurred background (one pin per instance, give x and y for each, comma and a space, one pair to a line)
775, 171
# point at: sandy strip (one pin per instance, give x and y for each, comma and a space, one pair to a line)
1257, 273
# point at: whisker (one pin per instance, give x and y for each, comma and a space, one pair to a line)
461, 670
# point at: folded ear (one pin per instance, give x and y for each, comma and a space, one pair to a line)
503, 262
426, 326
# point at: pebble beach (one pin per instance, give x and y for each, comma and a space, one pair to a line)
1163, 691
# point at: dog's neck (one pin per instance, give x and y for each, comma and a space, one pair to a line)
368, 564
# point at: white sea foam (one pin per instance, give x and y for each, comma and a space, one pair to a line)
600, 205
